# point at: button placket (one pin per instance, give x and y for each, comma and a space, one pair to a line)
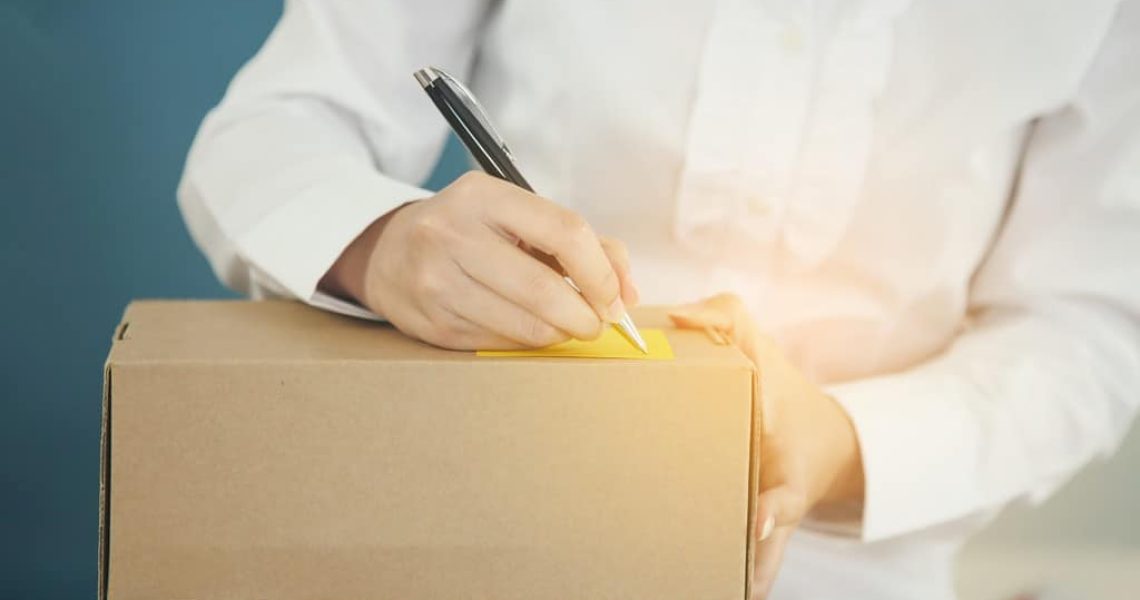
838, 142
745, 127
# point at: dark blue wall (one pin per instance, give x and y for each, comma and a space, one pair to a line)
99, 100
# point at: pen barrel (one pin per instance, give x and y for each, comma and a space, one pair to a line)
491, 156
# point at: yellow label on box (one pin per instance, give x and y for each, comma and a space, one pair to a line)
610, 344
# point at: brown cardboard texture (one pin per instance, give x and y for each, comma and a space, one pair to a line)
271, 450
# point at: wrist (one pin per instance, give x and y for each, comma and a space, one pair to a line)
844, 463
347, 278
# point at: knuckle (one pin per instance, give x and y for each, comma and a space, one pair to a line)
434, 230
428, 285
571, 220
616, 247
542, 290
425, 230
467, 182
537, 333
574, 228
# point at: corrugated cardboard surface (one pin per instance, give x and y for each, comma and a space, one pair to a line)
269, 450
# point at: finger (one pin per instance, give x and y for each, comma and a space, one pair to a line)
489, 312
446, 329
519, 278
778, 512
619, 259
769, 555
439, 327
725, 312
566, 236
782, 500
699, 316
465, 335
778, 507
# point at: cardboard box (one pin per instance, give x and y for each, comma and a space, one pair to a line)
270, 450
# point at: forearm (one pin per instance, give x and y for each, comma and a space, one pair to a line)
313, 140
797, 407
840, 456
274, 198
1012, 409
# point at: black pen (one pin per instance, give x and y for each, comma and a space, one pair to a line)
470, 123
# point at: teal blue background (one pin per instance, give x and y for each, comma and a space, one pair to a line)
99, 101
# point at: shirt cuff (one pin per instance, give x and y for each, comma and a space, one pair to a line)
337, 305
917, 441
293, 247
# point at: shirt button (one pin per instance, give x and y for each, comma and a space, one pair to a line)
758, 205
792, 39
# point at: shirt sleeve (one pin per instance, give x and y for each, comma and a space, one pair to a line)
1046, 376
322, 132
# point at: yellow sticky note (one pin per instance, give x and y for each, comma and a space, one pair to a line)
610, 344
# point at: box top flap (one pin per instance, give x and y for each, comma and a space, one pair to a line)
267, 331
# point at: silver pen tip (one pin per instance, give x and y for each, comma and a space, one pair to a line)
629, 331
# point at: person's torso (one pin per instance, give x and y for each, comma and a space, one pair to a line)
842, 165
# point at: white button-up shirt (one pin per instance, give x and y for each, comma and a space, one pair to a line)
933, 205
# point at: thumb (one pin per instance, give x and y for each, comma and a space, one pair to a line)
725, 313
778, 507
778, 511
618, 254
699, 315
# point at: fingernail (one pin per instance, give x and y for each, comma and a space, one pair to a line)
766, 529
684, 311
616, 311
716, 336
634, 294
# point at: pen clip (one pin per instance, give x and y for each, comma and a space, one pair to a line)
432, 75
